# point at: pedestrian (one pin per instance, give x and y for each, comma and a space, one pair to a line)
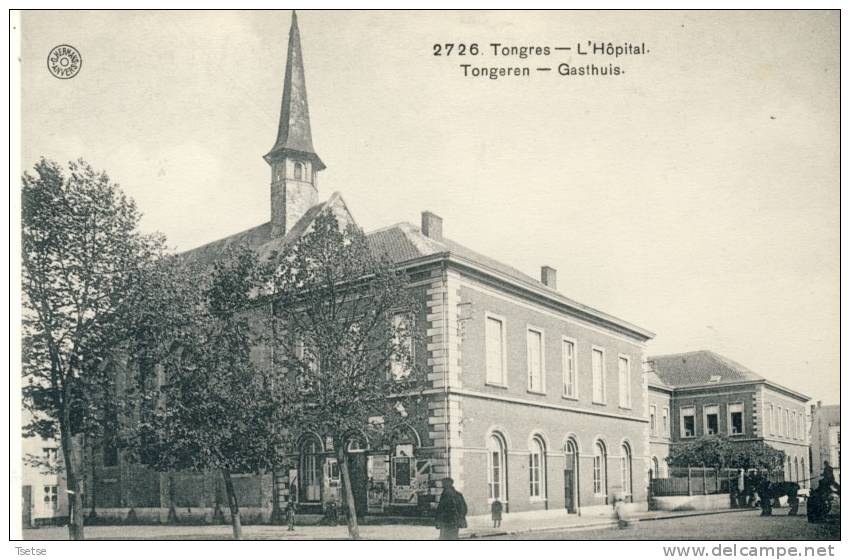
451, 512
496, 513
764, 496
829, 478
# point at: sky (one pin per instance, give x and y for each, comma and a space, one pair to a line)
696, 194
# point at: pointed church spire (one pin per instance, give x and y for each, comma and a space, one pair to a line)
293, 134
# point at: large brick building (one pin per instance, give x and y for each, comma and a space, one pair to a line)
533, 398
707, 394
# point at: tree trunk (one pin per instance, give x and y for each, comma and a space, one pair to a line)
342, 457
74, 484
235, 519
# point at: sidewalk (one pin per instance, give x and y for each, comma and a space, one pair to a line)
373, 532
575, 523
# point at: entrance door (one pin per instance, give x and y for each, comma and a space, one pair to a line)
571, 477
569, 490
311, 472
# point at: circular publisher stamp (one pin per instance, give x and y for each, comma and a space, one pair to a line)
64, 62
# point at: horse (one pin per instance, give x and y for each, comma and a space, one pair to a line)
769, 492
790, 489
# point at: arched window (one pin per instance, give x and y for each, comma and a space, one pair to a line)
796, 470
496, 464
299, 171
311, 470
537, 468
655, 473
600, 469
626, 470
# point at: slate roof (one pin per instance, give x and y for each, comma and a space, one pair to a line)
401, 242
259, 238
404, 241
293, 133
698, 368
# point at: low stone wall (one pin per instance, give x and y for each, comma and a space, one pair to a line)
692, 503
184, 515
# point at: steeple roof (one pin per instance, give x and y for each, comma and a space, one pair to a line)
293, 133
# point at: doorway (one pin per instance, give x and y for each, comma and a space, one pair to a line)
571, 477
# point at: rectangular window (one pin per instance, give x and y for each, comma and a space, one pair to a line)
688, 421
568, 358
665, 421
495, 343
769, 418
51, 494
793, 426
785, 431
777, 420
49, 455
598, 369
652, 427
711, 417
534, 340
736, 419
624, 371
403, 344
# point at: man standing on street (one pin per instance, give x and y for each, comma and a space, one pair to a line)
451, 512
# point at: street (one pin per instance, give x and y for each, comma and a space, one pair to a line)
743, 525
732, 525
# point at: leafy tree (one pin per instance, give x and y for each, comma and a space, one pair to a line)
217, 409
80, 249
344, 331
756, 455
720, 452
708, 451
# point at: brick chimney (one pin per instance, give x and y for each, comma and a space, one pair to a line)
549, 276
432, 226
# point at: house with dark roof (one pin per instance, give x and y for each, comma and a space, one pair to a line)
534, 399
710, 394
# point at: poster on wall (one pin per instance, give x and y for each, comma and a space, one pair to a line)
377, 469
